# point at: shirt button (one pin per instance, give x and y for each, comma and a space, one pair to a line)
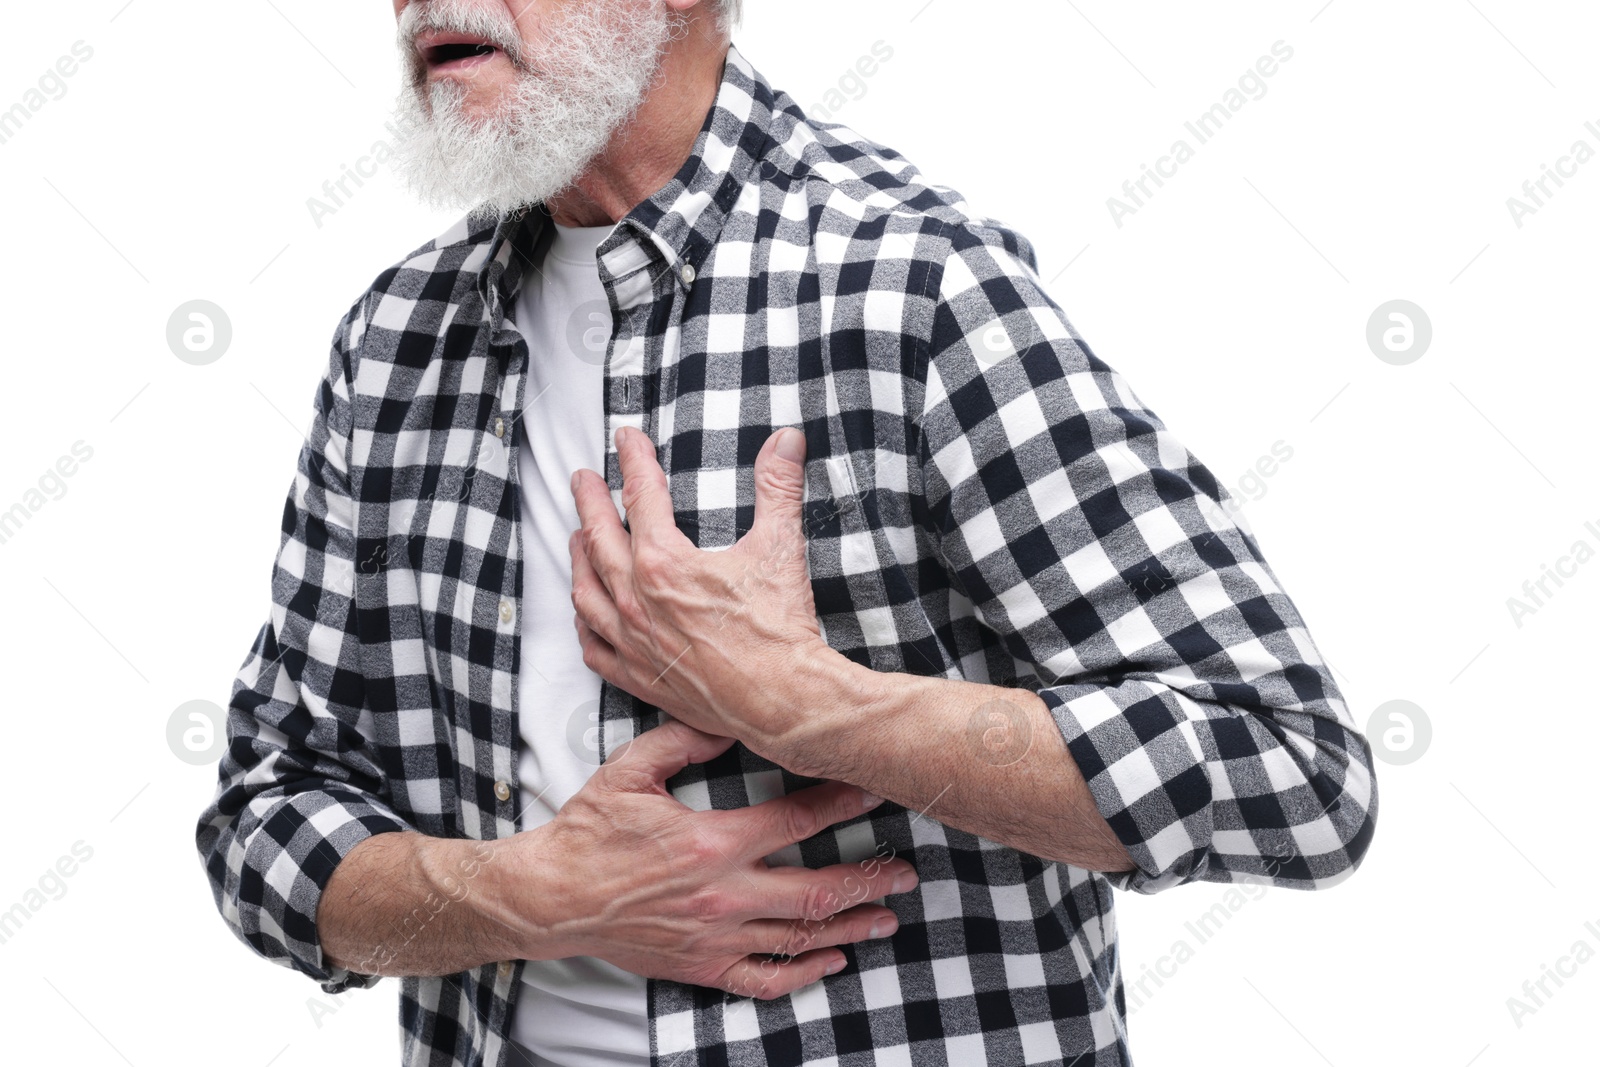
499, 427
505, 611
502, 791
687, 274
505, 968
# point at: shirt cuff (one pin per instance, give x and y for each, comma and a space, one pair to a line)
292, 855
1145, 770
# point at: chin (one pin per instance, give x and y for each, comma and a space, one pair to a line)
481, 94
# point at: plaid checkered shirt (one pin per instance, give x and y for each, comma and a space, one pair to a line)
984, 500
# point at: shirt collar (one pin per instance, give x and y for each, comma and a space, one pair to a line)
682, 219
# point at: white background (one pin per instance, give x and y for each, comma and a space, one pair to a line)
1419, 498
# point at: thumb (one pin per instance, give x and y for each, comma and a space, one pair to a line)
780, 488
657, 754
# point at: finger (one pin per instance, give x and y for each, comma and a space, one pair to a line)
590, 598
645, 496
659, 753
797, 936
780, 490
603, 538
764, 979
599, 656
764, 828
813, 895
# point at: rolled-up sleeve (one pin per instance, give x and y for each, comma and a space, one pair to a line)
299, 786
1209, 729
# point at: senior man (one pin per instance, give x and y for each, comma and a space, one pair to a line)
918, 633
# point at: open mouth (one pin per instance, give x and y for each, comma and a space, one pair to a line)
444, 52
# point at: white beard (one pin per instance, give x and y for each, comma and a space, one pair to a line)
592, 73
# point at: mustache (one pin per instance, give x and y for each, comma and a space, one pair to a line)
455, 16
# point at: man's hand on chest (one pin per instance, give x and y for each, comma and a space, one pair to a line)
724, 641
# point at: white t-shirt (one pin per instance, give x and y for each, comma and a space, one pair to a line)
580, 1011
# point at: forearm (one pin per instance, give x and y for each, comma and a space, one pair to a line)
980, 758
405, 904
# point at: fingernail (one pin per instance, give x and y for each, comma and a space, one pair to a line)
792, 446
836, 966
575, 481
869, 800
884, 927
904, 882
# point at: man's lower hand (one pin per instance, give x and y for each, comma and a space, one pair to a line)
628, 874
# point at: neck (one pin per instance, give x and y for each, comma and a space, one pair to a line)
652, 145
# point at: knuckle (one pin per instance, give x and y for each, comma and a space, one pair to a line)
626, 778
746, 986
855, 888
632, 490
652, 566
798, 938
707, 904
791, 942
701, 854
733, 978
711, 973
630, 609
818, 901
762, 983
801, 821
647, 555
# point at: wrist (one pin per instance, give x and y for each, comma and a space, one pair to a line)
488, 880
827, 699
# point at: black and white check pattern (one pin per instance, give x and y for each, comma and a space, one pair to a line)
986, 500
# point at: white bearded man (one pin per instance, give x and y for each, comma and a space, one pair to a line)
725, 613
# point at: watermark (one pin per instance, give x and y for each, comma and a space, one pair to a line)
1536, 992
197, 732
52, 85
325, 1005
1202, 928
589, 331
372, 558
1399, 332
51, 885
583, 732
52, 485
1253, 483
1536, 591
455, 888
336, 192
1152, 577
804, 931
1399, 732
999, 733
1252, 85
199, 332
995, 341
852, 84
1537, 190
